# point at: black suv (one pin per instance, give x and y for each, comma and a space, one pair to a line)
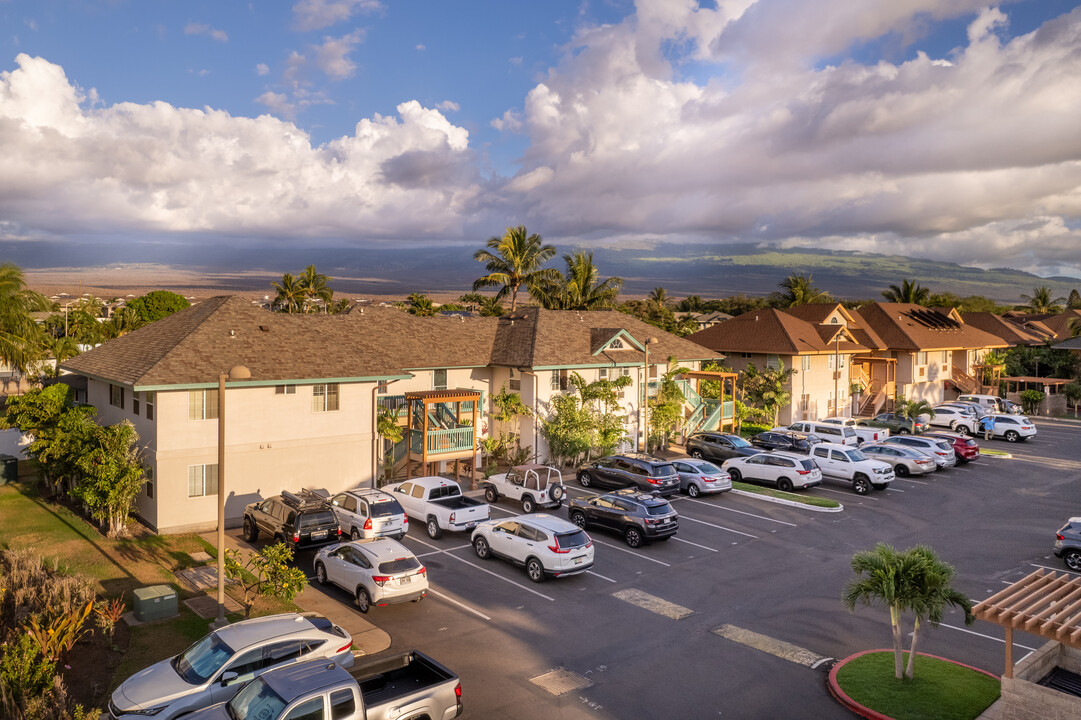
631, 470
785, 440
718, 446
638, 516
1068, 544
300, 520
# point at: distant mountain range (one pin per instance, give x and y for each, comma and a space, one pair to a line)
708, 271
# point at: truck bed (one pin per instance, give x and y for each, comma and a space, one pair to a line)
458, 502
387, 680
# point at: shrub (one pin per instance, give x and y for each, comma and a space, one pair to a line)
34, 589
24, 671
1030, 401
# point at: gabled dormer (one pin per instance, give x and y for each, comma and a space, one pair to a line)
612, 340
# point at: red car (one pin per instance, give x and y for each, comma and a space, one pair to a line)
965, 447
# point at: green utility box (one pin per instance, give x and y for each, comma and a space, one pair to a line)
155, 603
9, 469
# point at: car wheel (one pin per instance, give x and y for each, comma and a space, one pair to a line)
696, 454
1012, 436
861, 486
251, 532
490, 494
784, 484
1072, 558
901, 470
903, 431
579, 519
534, 570
321, 573
961, 430
735, 475
528, 505
480, 546
434, 531
557, 493
584, 479
633, 536
364, 600
354, 534
693, 490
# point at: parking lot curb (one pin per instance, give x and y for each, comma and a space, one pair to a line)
789, 503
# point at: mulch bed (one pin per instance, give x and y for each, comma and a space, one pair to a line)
88, 672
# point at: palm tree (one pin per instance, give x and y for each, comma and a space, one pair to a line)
420, 304
290, 294
122, 322
932, 592
515, 260
20, 336
909, 292
1073, 327
472, 301
60, 348
658, 296
578, 288
912, 409
1040, 301
315, 288
799, 289
491, 307
691, 303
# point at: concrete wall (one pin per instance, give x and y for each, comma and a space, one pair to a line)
1023, 699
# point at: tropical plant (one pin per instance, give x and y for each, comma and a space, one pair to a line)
1042, 302
798, 289
60, 348
471, 301
1072, 391
1074, 301
58, 634
387, 428
123, 321
1073, 327
25, 672
569, 429
317, 293
508, 409
112, 473
20, 336
59, 428
421, 305
290, 295
579, 288
767, 389
514, 260
658, 296
910, 291
913, 580
666, 409
1030, 401
266, 573
691, 303
157, 304
107, 613
491, 307
912, 409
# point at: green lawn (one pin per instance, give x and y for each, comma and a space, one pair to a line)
939, 690
794, 497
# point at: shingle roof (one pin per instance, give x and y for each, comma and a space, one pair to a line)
196, 344
906, 326
818, 312
1011, 332
1059, 324
773, 332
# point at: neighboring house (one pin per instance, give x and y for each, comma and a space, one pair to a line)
708, 320
819, 346
306, 417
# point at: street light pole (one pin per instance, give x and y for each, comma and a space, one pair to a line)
645, 395
238, 372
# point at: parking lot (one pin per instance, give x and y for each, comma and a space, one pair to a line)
704, 624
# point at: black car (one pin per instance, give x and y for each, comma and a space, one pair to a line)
631, 470
785, 440
300, 520
718, 446
639, 516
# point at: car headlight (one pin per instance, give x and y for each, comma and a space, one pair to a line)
145, 713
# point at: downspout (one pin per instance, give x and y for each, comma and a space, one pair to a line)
375, 429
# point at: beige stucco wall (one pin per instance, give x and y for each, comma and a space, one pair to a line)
1023, 699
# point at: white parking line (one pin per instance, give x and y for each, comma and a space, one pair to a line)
602, 577
630, 552
846, 494
893, 489
741, 512
460, 604
989, 637
719, 527
485, 570
918, 482
695, 544
436, 552
1047, 567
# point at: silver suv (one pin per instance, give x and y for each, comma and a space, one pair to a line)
1068, 544
364, 513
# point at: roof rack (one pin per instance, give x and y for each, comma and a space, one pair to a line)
304, 500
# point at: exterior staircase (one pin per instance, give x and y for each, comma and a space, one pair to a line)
704, 413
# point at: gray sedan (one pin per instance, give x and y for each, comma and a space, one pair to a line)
701, 476
905, 460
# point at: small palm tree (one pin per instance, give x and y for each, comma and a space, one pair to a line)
658, 296
124, 321
799, 289
471, 300
1073, 327
315, 289
290, 294
515, 260
910, 291
912, 409
491, 307
420, 304
1041, 302
580, 287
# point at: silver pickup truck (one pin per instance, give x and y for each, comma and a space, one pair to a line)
410, 685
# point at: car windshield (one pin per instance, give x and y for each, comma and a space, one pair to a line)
662, 509
662, 470
737, 441
856, 455
256, 700
807, 464
316, 519
707, 468
385, 508
202, 660
578, 538
399, 565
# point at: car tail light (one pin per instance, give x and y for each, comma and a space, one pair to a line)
423, 571
555, 546
405, 519
654, 481
458, 691
452, 518
1058, 536
1026, 427
381, 580
804, 472
345, 647
368, 524
296, 536
339, 532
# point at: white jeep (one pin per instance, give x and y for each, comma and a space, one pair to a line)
535, 486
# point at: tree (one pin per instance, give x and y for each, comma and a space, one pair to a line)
799, 289
766, 389
111, 475
315, 289
912, 409
1072, 391
265, 573
472, 301
20, 336
59, 429
290, 297
491, 307
691, 303
157, 304
515, 260
387, 428
568, 430
421, 305
61, 349
579, 288
910, 291
666, 409
123, 321
609, 420
1074, 301
658, 296
913, 580
1041, 301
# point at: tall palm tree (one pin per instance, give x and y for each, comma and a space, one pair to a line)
291, 294
658, 296
315, 288
579, 288
1041, 302
909, 292
515, 260
60, 348
20, 336
799, 289
932, 592
122, 322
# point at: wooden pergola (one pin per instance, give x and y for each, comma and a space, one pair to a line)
723, 377
1044, 603
430, 442
1017, 384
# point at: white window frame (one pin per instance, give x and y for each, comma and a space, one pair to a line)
201, 478
148, 401
326, 397
116, 396
435, 381
805, 363
285, 389
200, 405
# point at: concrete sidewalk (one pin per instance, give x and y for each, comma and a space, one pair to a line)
367, 638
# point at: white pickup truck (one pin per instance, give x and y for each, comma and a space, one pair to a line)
840, 462
439, 504
865, 433
410, 685
535, 486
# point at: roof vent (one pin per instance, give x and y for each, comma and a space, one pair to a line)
362, 311
232, 333
264, 328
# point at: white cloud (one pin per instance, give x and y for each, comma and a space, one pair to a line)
332, 57
448, 106
316, 14
31, 23
262, 69
515, 61
277, 103
156, 167
200, 29
421, 47
510, 121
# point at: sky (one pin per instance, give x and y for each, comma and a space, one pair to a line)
942, 129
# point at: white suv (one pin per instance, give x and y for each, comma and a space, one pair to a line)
375, 572
785, 470
1010, 427
366, 513
955, 418
544, 544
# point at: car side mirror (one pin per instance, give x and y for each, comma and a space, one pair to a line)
228, 677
